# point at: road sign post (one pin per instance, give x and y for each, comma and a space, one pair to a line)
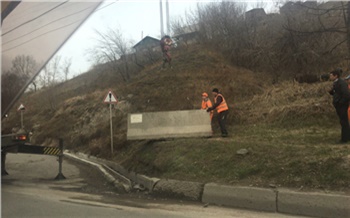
22, 109
111, 125
22, 120
111, 99
60, 175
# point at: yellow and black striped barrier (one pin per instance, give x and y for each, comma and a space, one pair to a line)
37, 149
51, 151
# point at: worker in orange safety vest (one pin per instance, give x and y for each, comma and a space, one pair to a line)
221, 107
206, 103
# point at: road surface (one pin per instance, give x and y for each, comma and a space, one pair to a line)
31, 191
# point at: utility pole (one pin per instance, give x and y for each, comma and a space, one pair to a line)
167, 18
161, 18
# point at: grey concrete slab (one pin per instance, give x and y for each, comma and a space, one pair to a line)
314, 204
146, 181
116, 167
170, 124
176, 188
242, 197
110, 178
118, 176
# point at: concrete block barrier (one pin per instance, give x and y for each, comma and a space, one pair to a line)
314, 204
241, 197
182, 189
170, 124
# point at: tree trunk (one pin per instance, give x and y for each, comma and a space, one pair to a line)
34, 84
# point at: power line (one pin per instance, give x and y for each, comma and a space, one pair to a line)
34, 18
105, 6
33, 10
47, 25
40, 35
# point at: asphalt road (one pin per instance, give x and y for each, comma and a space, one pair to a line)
31, 191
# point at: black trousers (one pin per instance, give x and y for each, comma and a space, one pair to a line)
342, 112
222, 121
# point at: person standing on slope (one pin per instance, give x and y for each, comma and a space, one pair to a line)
347, 79
165, 43
206, 103
341, 98
221, 107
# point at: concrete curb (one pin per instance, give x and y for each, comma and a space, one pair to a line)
183, 189
272, 200
242, 197
313, 204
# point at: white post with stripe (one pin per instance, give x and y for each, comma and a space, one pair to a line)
111, 99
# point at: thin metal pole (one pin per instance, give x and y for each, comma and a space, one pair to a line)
110, 117
3, 158
161, 19
21, 119
60, 175
167, 18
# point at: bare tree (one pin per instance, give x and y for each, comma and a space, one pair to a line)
24, 66
54, 69
318, 34
51, 72
220, 23
66, 67
10, 84
43, 77
178, 26
112, 48
305, 37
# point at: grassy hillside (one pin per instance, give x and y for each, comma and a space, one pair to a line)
289, 129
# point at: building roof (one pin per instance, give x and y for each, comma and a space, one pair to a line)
145, 38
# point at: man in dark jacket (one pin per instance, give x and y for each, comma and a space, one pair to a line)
341, 98
221, 107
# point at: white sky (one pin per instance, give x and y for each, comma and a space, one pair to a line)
132, 17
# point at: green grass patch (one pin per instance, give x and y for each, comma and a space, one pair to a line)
284, 157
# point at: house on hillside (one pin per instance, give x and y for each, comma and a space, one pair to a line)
147, 51
255, 15
187, 35
147, 44
187, 38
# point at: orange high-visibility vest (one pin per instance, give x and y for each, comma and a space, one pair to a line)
222, 106
206, 105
